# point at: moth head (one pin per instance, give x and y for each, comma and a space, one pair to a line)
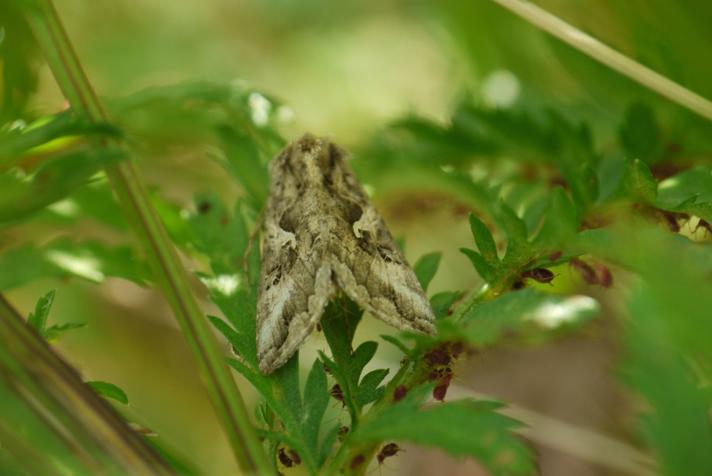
317, 155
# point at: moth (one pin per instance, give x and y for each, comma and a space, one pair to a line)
322, 235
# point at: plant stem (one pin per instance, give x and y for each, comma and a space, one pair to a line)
90, 433
603, 53
170, 274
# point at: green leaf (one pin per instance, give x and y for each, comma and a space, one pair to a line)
239, 308
442, 302
54, 332
95, 260
360, 357
676, 417
316, 399
484, 240
674, 271
397, 343
426, 267
90, 260
38, 319
246, 163
287, 386
516, 231
462, 428
640, 182
109, 390
560, 222
241, 343
514, 227
44, 134
339, 323
486, 272
640, 134
24, 264
328, 443
369, 390
689, 191
219, 233
56, 178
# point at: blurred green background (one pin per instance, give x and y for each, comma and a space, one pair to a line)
345, 70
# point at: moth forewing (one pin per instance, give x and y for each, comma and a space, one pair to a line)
321, 234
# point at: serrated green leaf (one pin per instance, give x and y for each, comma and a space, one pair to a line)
360, 357
109, 390
462, 428
54, 332
426, 267
265, 388
442, 302
514, 227
484, 240
38, 319
339, 324
239, 341
239, 308
369, 390
486, 272
640, 182
282, 394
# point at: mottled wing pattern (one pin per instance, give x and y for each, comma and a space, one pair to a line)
370, 267
295, 282
321, 232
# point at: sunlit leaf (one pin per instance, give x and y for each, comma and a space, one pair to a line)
109, 390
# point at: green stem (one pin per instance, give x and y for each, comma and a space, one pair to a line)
474, 297
410, 375
603, 53
170, 274
89, 434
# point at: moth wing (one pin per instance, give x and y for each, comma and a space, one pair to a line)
371, 269
288, 311
295, 281
387, 287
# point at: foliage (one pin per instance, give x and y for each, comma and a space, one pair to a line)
555, 208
